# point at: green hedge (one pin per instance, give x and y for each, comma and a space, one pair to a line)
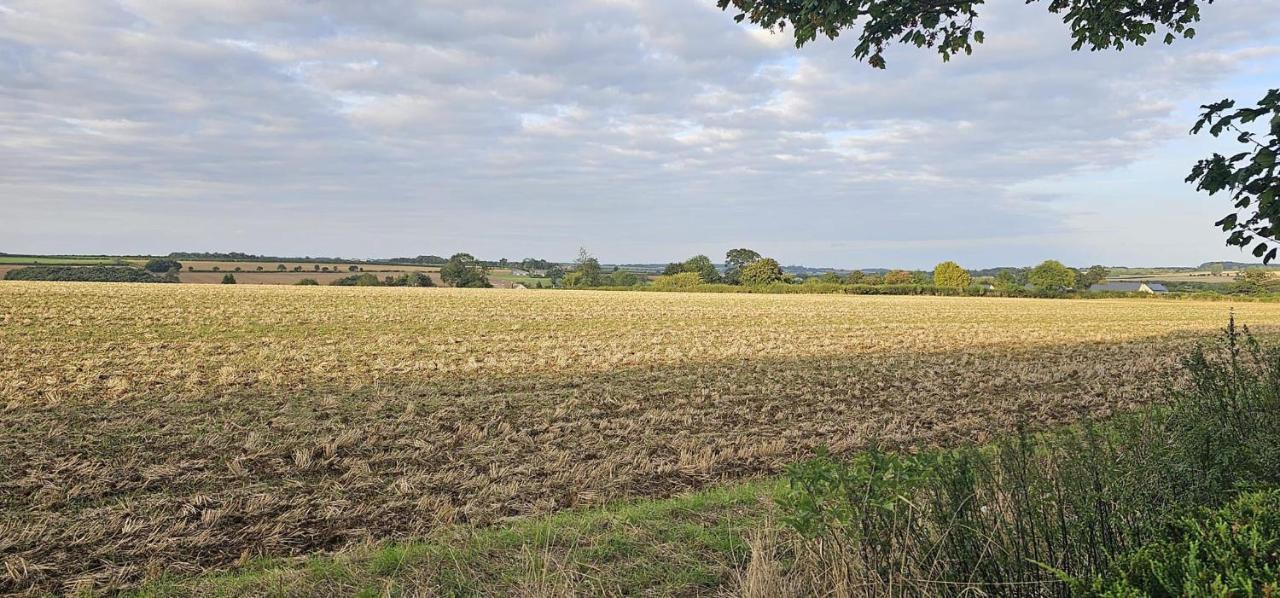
86, 274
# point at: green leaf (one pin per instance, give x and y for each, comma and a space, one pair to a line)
1265, 158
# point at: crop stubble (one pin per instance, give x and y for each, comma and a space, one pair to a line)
153, 429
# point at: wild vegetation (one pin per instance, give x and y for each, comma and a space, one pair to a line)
1059, 512
176, 428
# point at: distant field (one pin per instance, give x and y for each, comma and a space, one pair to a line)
67, 261
277, 278
270, 273
1205, 277
173, 428
306, 266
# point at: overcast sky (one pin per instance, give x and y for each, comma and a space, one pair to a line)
643, 130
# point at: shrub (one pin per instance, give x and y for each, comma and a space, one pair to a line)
623, 278
162, 265
1232, 551
411, 279
359, 280
761, 272
229, 278
683, 280
307, 282
897, 277
1038, 511
87, 274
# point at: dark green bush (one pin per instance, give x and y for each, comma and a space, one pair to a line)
86, 274
162, 265
1231, 551
307, 282
359, 280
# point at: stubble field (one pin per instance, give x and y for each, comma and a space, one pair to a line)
166, 429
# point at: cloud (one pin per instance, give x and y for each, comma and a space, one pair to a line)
643, 130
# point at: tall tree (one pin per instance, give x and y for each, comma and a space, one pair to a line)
702, 265
1051, 275
951, 275
588, 268
1094, 275
735, 260
464, 271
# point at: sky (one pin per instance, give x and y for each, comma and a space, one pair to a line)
643, 130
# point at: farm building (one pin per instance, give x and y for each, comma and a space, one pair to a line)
1131, 287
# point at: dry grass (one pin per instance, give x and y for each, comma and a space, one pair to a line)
170, 429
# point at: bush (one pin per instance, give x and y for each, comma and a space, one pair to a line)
359, 280
683, 280
1037, 511
307, 282
412, 279
162, 265
229, 278
87, 274
1232, 551
761, 272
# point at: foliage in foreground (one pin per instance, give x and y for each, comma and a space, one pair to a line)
1029, 512
1231, 551
86, 274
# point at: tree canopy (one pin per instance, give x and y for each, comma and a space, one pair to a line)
1051, 275
463, 270
950, 274
586, 271
1248, 177
949, 26
761, 272
162, 265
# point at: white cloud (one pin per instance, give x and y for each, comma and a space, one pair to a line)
643, 130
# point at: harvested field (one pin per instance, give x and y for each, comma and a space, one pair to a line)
252, 266
157, 429
280, 277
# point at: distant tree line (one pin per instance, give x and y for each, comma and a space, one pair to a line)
409, 279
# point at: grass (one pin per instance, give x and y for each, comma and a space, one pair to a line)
180, 429
684, 545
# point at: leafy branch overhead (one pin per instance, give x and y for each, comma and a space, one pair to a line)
1249, 177
948, 25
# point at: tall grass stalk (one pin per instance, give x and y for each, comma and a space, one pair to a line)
1028, 513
